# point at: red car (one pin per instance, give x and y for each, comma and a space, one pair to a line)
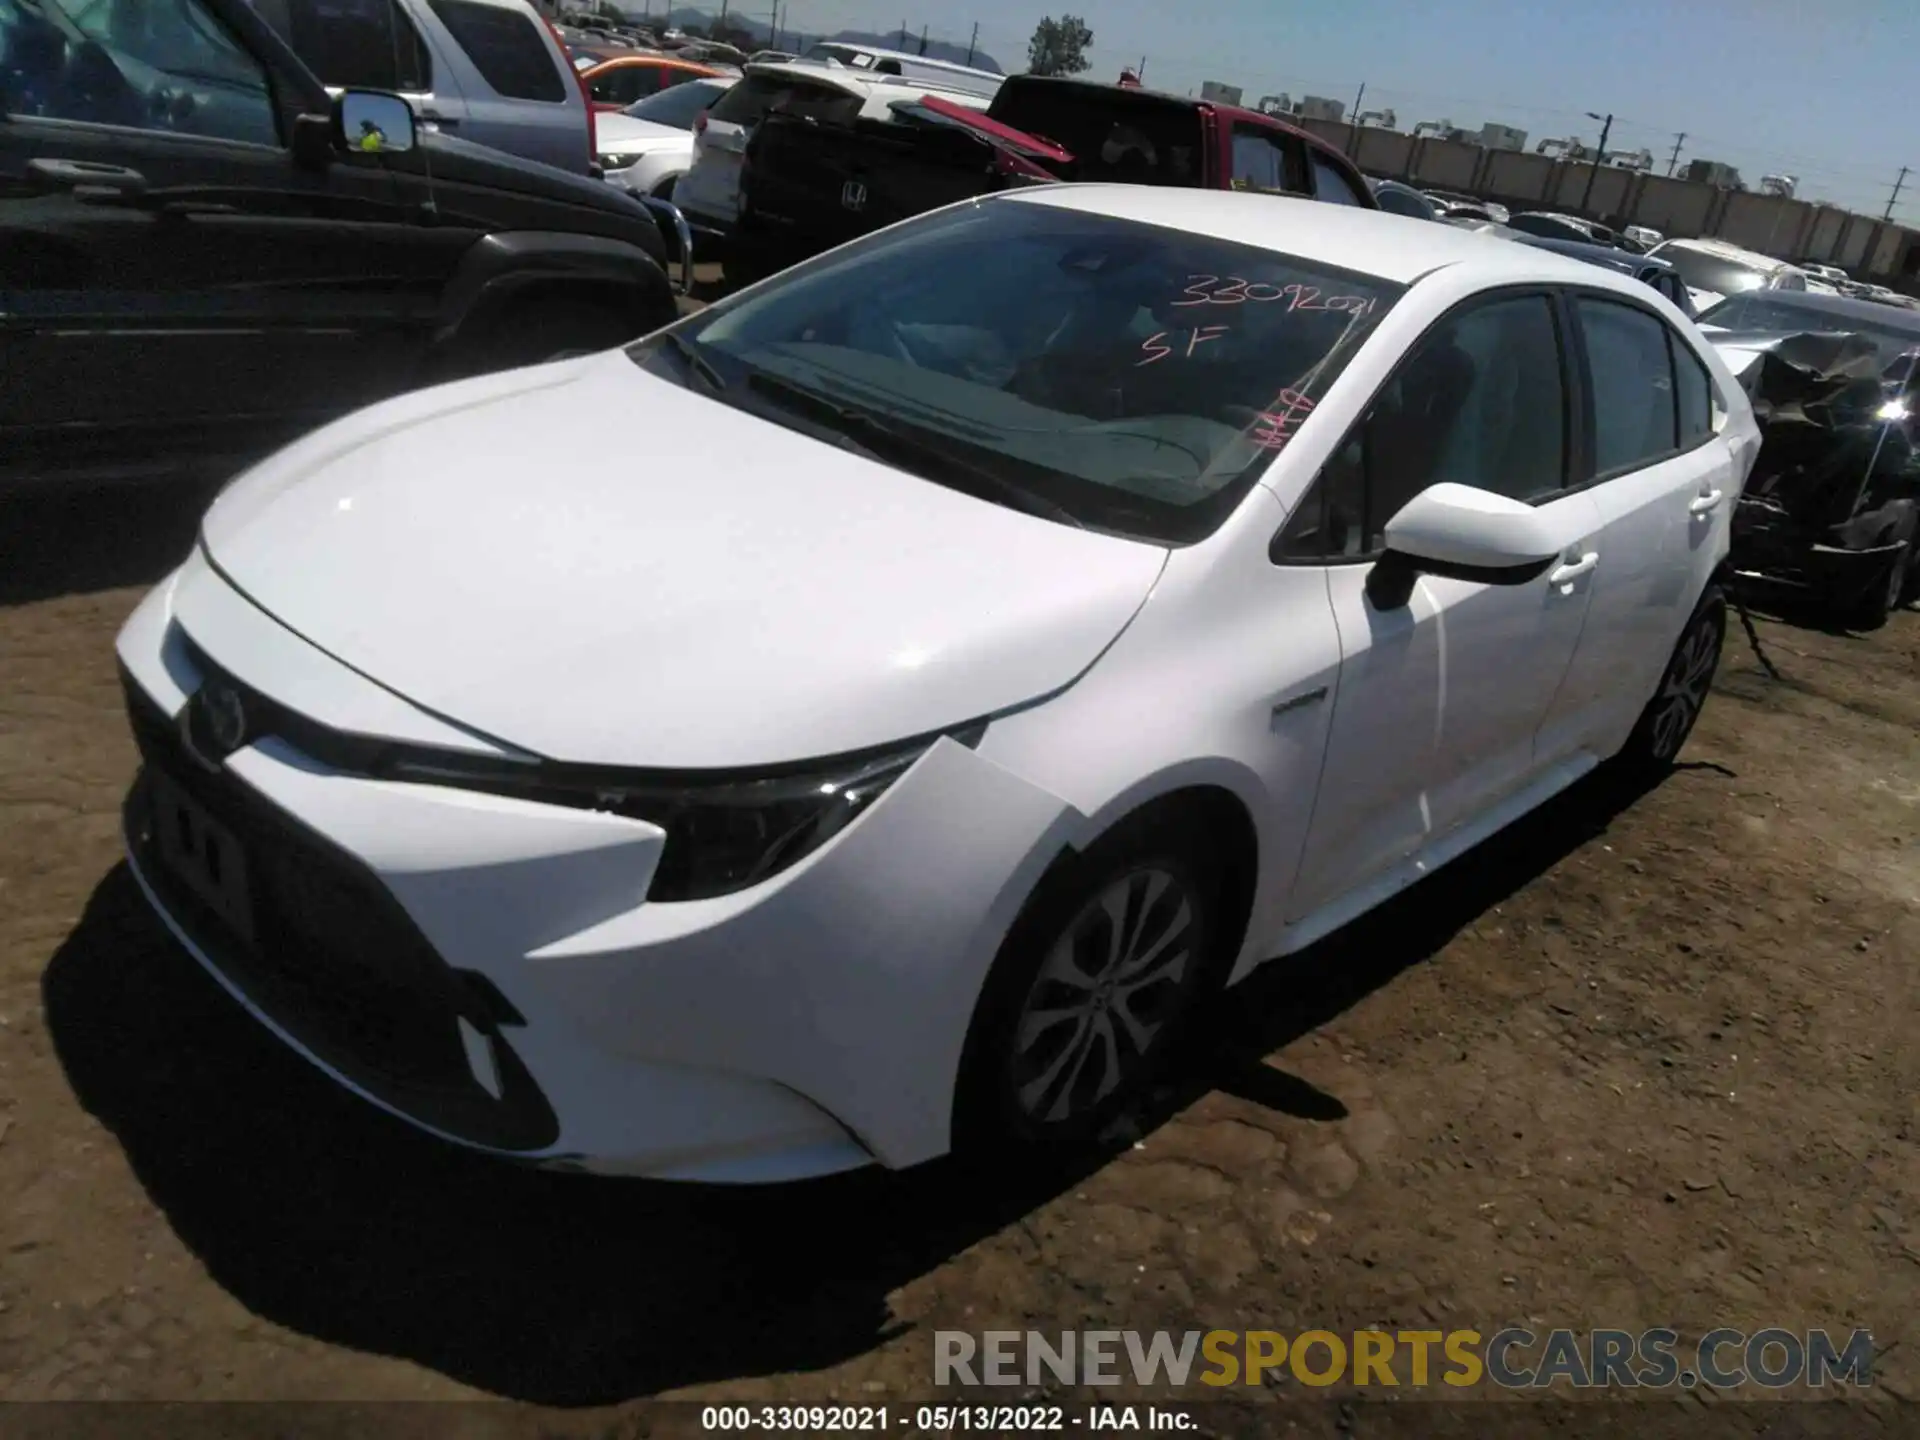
616, 83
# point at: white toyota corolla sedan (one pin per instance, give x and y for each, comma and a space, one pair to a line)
990, 637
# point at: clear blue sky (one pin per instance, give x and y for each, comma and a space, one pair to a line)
1827, 94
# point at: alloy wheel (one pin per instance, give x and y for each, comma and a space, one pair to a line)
1684, 690
1110, 984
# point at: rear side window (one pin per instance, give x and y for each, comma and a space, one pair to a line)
748, 102
1329, 183
624, 84
1261, 161
506, 48
1692, 393
1634, 417
354, 44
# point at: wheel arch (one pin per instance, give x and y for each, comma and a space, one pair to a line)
503, 272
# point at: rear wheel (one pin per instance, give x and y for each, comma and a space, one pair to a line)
1091, 993
1870, 612
1675, 707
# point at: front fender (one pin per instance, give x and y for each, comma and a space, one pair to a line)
499, 268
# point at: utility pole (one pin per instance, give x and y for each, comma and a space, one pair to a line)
1141, 73
1674, 159
974, 43
1606, 129
1358, 97
923, 39
1896, 193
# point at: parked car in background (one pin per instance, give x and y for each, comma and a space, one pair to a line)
1715, 269
836, 851
488, 71
1483, 227
1655, 273
260, 256
942, 73
647, 147
1831, 274
821, 181
712, 52
770, 57
613, 85
1553, 226
1401, 199
709, 193
1468, 207
1641, 235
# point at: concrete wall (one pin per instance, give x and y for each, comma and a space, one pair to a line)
1823, 241
1790, 229
1516, 179
1446, 164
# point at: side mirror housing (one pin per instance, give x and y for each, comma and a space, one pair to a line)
372, 122
1456, 527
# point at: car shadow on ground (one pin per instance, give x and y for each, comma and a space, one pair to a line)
76, 542
327, 1217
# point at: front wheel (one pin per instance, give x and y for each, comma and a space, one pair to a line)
1671, 714
1090, 995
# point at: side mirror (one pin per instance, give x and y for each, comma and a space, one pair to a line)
372, 122
1458, 528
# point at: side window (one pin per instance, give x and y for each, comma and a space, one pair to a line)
1479, 401
1260, 162
172, 69
1329, 183
506, 47
1634, 418
1692, 393
354, 44
625, 84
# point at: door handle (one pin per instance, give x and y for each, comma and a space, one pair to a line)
1574, 569
1705, 504
90, 182
435, 117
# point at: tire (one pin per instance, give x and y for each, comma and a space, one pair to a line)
1872, 609
1671, 714
1910, 580
664, 190
1092, 993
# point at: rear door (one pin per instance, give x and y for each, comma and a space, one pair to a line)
372, 45
178, 288
521, 94
1664, 480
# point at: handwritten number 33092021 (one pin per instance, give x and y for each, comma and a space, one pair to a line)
1232, 290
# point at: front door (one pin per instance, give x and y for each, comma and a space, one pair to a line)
177, 285
1444, 677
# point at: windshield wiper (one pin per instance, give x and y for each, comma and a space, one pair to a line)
696, 362
876, 438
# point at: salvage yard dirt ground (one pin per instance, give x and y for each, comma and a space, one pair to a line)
1637, 1065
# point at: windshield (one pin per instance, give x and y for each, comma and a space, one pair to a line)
1704, 271
679, 105
1120, 376
1774, 311
747, 103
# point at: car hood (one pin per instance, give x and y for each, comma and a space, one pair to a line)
686, 586
619, 134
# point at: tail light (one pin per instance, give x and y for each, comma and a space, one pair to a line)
586, 95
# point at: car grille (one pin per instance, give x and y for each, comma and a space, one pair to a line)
334, 960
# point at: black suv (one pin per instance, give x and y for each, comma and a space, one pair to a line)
203, 254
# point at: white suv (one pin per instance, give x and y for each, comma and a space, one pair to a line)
709, 193
1713, 270
489, 71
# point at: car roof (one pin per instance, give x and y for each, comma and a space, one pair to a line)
1726, 250
1187, 102
931, 62
863, 83
1396, 248
1843, 307
649, 57
1624, 260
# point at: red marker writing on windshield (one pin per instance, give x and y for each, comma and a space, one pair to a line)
1195, 339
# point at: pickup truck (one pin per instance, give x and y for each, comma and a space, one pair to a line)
809, 185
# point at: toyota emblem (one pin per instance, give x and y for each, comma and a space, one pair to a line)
214, 724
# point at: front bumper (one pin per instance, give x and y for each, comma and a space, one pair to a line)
488, 970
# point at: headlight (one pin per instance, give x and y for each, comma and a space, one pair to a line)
723, 834
617, 162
